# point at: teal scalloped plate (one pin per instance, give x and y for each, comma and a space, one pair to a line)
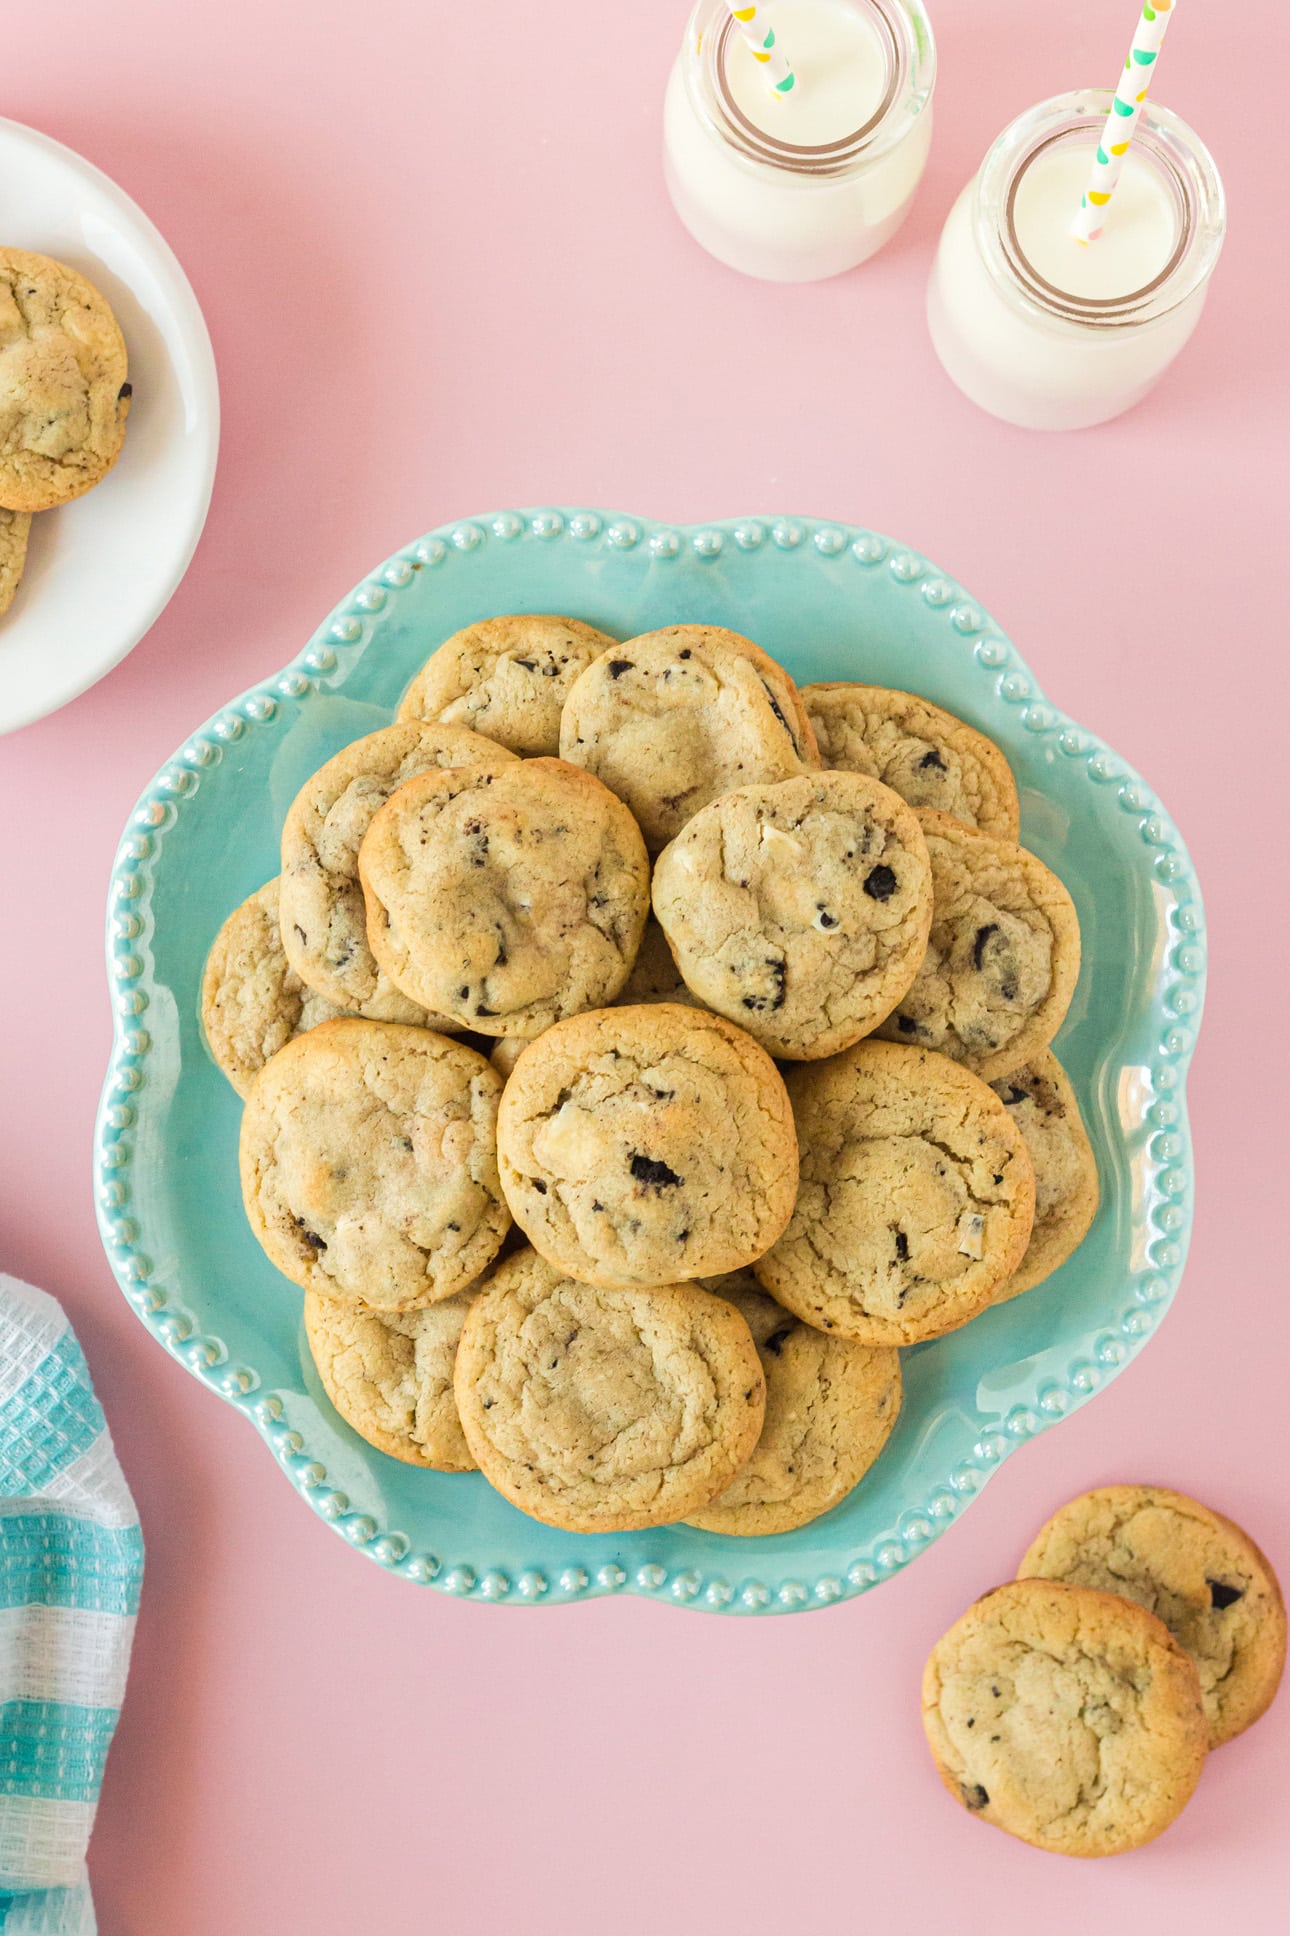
831, 603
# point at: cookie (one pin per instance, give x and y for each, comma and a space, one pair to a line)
675, 718
1194, 1570
507, 678
324, 920
369, 1164
799, 910
915, 1202
1068, 1718
604, 1411
655, 976
830, 1407
389, 1375
928, 757
647, 1145
15, 527
1003, 957
1042, 1104
253, 1002
507, 897
64, 397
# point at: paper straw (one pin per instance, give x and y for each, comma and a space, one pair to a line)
1121, 122
751, 22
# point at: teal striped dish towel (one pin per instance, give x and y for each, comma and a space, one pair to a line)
71, 1559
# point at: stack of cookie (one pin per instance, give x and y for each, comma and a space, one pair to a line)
64, 397
1074, 1707
735, 1000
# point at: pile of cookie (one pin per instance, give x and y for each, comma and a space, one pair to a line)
1074, 1708
732, 1001
64, 396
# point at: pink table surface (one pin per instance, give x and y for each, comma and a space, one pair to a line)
442, 277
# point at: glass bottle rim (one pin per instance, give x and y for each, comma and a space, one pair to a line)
1180, 157
911, 50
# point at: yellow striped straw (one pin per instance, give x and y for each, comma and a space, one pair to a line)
1122, 121
766, 51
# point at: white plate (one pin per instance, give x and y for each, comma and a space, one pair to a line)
101, 570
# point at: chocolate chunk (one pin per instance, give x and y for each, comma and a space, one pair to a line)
974, 1796
907, 1025
617, 667
932, 759
539, 1186
880, 883
653, 1174
687, 654
480, 1009
775, 708
1221, 1596
827, 920
311, 1237
775, 1342
1014, 1094
126, 390
902, 1247
982, 939
529, 665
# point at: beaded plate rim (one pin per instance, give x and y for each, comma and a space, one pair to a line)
1176, 1006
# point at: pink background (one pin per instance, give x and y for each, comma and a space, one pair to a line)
442, 277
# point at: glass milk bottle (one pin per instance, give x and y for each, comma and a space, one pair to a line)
1047, 332
796, 187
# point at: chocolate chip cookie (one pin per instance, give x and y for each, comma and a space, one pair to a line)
1003, 957
389, 1375
64, 397
253, 1002
369, 1163
800, 910
830, 1407
506, 677
324, 920
506, 897
647, 1145
15, 526
928, 757
1193, 1569
603, 1411
1068, 1718
675, 718
1041, 1102
915, 1202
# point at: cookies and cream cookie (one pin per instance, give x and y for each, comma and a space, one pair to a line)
675, 718
1041, 1102
389, 1375
647, 1145
1068, 1718
799, 910
15, 527
1195, 1570
915, 1201
64, 397
928, 757
830, 1408
1002, 959
507, 897
507, 678
324, 920
253, 1002
369, 1163
655, 976
605, 1410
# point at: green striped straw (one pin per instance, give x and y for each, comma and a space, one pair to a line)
1122, 121
752, 24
